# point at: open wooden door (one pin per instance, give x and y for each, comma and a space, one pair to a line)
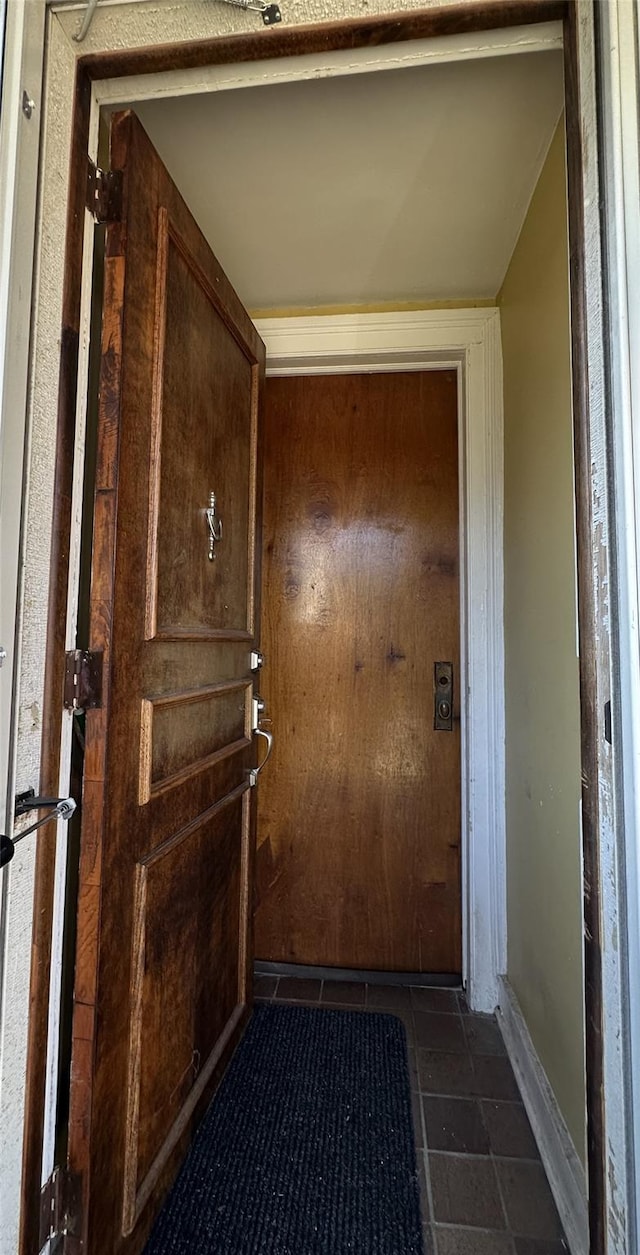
164, 954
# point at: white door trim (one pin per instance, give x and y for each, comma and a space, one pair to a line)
619, 65
467, 340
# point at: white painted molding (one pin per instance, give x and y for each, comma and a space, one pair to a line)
467, 340
564, 1170
619, 54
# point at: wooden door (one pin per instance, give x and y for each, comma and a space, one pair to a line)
358, 859
163, 975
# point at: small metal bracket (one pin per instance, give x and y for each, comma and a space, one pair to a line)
104, 193
257, 660
270, 12
83, 679
60, 1199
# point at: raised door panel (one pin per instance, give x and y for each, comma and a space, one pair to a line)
181, 1017
202, 444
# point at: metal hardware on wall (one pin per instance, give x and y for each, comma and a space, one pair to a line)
215, 529
62, 808
86, 21
443, 696
270, 12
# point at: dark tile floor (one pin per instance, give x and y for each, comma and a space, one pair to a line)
483, 1187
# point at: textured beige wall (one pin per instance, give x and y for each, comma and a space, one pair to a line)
135, 23
542, 705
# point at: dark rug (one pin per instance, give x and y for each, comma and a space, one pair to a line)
307, 1147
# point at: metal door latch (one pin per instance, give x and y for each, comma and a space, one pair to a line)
257, 712
443, 696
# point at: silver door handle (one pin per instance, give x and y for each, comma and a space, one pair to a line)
255, 771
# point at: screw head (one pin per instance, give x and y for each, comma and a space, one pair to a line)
28, 105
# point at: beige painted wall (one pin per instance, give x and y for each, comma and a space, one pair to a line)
542, 705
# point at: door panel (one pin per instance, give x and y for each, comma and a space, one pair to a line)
359, 814
164, 925
179, 1013
204, 409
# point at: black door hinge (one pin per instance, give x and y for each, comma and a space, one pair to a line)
60, 1199
83, 679
104, 193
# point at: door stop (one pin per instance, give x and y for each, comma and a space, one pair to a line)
61, 808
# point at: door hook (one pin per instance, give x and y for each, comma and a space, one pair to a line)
215, 529
61, 808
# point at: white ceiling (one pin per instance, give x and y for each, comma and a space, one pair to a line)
403, 185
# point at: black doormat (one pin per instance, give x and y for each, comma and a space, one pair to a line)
307, 1147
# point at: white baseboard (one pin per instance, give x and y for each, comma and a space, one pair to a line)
561, 1163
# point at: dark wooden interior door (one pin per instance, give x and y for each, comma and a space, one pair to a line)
163, 975
358, 859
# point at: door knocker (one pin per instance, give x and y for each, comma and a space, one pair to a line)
215, 526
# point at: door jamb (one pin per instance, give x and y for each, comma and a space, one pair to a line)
608, 1145
467, 341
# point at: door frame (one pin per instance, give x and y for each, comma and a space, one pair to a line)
59, 345
467, 341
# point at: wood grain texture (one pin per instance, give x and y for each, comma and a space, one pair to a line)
183, 732
359, 809
179, 1012
189, 597
287, 41
161, 992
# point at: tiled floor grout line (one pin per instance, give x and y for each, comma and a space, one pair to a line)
436, 1093
479, 1229
425, 1150
473, 1154
493, 1163
502, 1200
427, 1171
